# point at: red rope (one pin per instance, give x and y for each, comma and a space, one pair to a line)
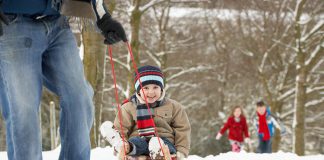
117, 99
145, 98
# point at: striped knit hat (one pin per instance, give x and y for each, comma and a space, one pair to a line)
149, 75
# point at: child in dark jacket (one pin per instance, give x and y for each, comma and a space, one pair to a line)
238, 129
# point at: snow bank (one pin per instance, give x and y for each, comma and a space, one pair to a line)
254, 156
107, 153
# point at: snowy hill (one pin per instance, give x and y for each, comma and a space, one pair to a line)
107, 153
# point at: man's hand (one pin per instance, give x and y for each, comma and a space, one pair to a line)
111, 29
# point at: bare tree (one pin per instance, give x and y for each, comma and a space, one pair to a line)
263, 31
94, 66
309, 50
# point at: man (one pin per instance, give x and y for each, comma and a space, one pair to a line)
38, 47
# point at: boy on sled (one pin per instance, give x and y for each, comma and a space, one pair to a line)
146, 129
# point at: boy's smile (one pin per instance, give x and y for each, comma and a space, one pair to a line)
151, 99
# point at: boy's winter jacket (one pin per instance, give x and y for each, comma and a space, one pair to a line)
170, 119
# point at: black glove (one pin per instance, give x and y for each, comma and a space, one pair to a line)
111, 29
3, 19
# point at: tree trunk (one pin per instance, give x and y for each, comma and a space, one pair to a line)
300, 97
225, 74
299, 117
163, 26
2, 133
94, 52
276, 108
52, 125
94, 68
135, 20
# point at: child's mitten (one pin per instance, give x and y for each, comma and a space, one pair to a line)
180, 156
218, 136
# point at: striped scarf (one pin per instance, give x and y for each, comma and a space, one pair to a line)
145, 122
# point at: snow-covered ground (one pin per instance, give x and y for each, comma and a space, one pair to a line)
107, 153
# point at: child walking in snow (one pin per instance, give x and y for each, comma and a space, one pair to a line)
165, 115
238, 129
265, 122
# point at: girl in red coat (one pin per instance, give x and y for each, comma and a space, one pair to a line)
238, 129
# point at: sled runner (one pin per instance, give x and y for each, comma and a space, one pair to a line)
173, 157
156, 153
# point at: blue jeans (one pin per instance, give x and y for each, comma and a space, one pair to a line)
140, 146
264, 146
33, 53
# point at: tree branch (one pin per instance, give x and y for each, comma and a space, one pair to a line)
315, 29
315, 57
192, 69
154, 57
150, 4
121, 63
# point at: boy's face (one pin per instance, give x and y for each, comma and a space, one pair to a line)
261, 110
237, 112
152, 91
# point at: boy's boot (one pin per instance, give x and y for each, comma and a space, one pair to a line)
156, 151
113, 137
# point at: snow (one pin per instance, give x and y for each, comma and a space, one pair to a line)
231, 14
198, 12
222, 115
81, 50
223, 14
149, 5
107, 153
253, 156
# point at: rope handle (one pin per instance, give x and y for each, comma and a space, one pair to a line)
117, 99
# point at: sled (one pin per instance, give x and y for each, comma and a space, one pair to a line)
168, 156
173, 157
